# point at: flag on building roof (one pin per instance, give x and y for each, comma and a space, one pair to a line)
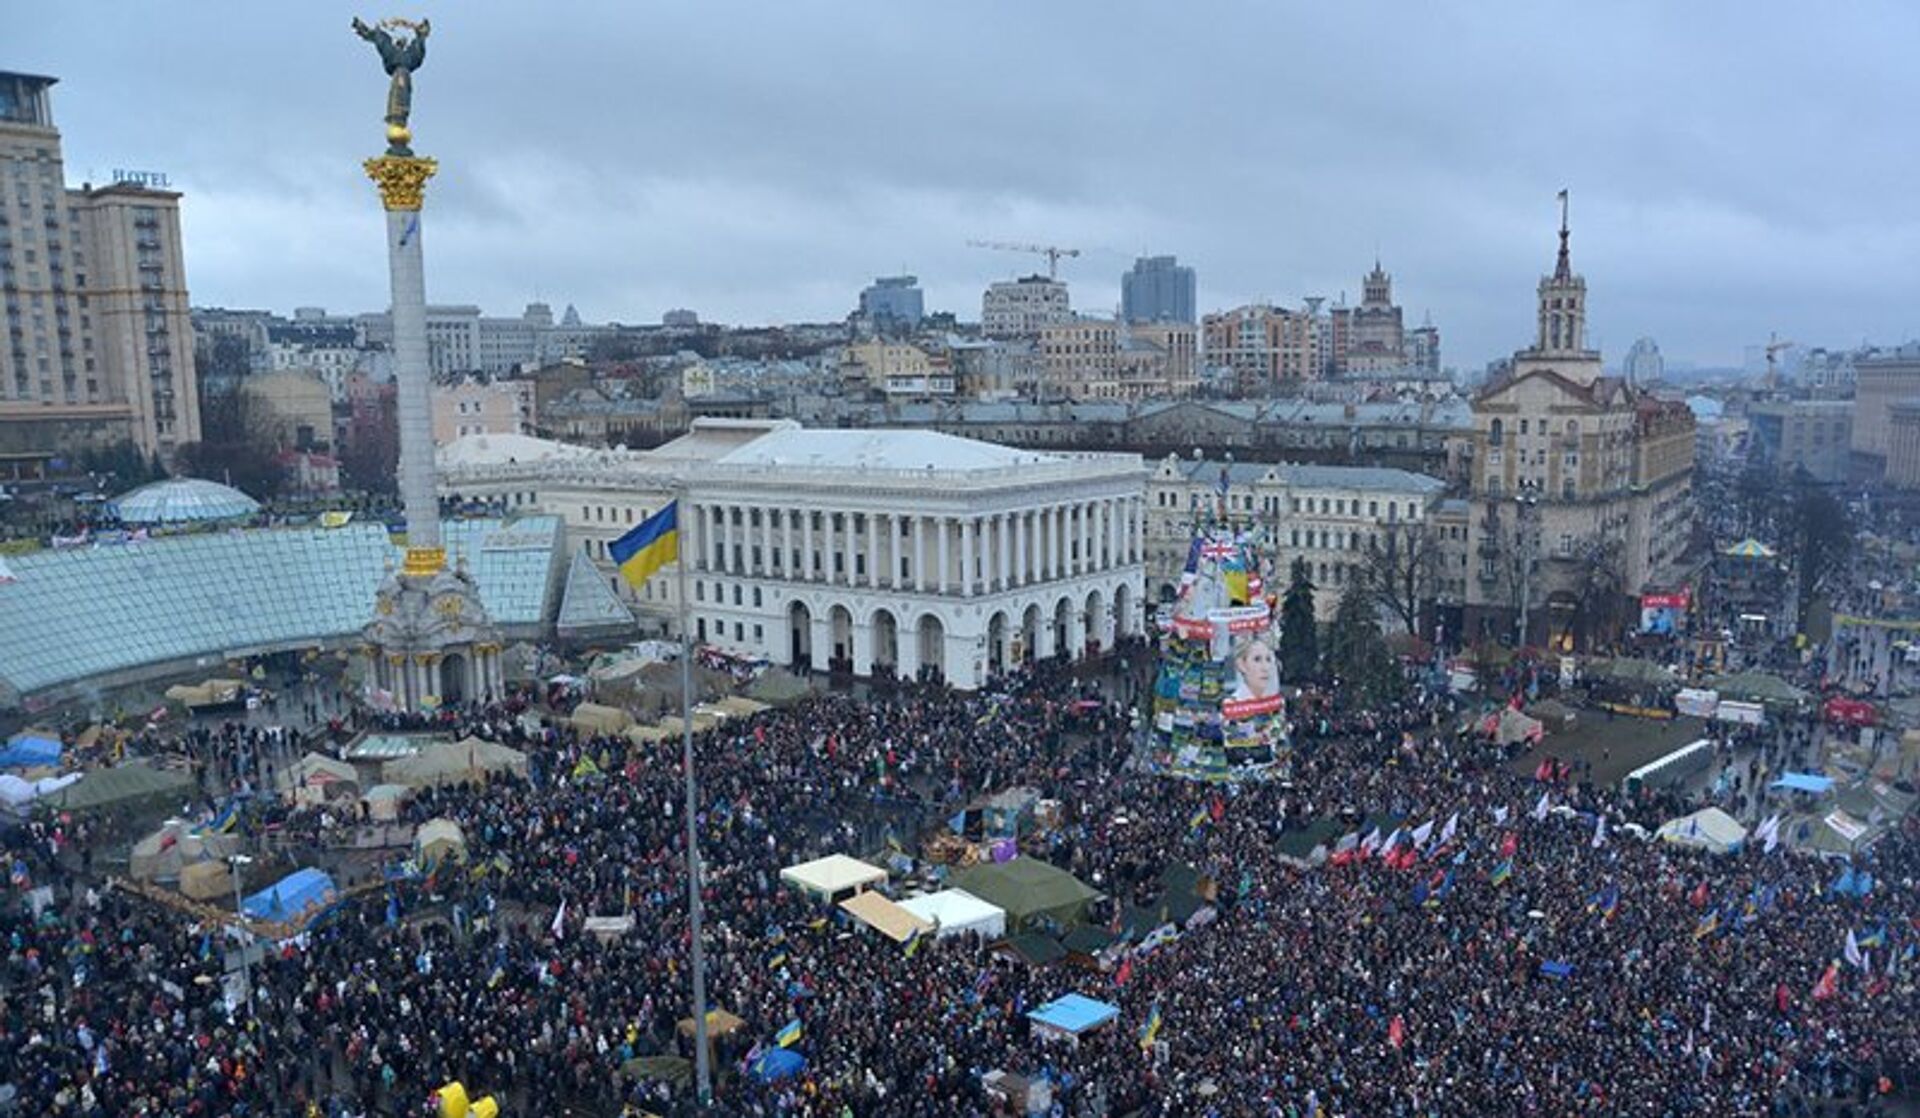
649, 546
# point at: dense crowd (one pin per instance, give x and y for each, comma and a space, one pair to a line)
1535, 958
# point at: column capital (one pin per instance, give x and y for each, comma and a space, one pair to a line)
402, 179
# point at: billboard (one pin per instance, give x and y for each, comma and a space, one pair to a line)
1218, 710
1663, 613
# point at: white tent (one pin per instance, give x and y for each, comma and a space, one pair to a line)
954, 912
833, 875
1708, 829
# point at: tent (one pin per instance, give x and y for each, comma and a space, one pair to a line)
1555, 715
318, 778
1810, 783
1833, 834
212, 693
30, 751
954, 912
16, 792
437, 840
885, 917
732, 706
719, 1023
163, 854
1631, 671
777, 1063
592, 718
296, 897
1511, 726
833, 875
1850, 712
1709, 829
124, 786
1028, 889
1759, 687
1071, 1016
206, 881
385, 800
1749, 548
470, 759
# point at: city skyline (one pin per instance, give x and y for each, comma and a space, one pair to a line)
761, 186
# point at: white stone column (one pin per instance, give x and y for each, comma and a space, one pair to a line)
920, 554
820, 643
1003, 558
967, 557
726, 540
944, 525
983, 558
1057, 519
806, 545
413, 396
849, 533
873, 550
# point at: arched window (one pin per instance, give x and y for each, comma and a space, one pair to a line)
1496, 433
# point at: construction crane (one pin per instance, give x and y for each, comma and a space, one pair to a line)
1053, 253
1774, 346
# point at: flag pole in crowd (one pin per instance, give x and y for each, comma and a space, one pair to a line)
651, 545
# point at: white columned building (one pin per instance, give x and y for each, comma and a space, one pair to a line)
893, 551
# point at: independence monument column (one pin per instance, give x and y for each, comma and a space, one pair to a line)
402, 179
431, 643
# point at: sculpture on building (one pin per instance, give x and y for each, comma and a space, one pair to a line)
400, 56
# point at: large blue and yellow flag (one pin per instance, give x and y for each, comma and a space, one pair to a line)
653, 543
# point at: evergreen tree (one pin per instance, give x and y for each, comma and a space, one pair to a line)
1357, 654
1299, 635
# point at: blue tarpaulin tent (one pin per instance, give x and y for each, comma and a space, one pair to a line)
1074, 1014
291, 897
777, 1063
30, 751
1803, 782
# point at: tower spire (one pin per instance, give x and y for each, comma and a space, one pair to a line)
1564, 267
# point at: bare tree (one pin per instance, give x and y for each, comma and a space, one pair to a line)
1599, 579
1402, 567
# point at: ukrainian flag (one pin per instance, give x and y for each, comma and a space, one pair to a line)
789, 1035
652, 544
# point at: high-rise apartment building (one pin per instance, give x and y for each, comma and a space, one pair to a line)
1158, 289
1266, 347
893, 303
1022, 308
99, 343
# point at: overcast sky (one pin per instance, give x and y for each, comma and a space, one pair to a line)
1736, 168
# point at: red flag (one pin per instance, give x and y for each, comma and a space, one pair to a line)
1125, 972
1698, 898
1397, 1031
1217, 809
1782, 997
1509, 844
1829, 983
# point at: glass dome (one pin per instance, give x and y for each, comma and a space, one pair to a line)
183, 500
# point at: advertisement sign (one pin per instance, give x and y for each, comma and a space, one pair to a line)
1663, 613
1217, 704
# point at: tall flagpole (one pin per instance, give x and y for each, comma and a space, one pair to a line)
703, 1073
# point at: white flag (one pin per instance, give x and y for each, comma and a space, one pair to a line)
1500, 816
1453, 826
560, 920
1372, 842
1773, 833
1599, 831
1540, 809
1393, 840
1423, 832
1852, 951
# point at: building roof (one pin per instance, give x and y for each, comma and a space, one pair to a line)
588, 604
712, 439
879, 450
73, 615
183, 500
498, 450
1309, 476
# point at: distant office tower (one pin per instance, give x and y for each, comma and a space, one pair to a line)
1158, 289
99, 344
680, 317
1265, 346
1022, 308
893, 303
1643, 364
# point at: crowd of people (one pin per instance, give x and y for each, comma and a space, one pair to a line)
1527, 954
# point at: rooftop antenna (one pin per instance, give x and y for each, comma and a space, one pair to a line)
1563, 268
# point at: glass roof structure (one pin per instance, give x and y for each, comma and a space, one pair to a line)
83, 615
182, 500
588, 605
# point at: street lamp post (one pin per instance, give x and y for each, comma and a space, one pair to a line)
246, 944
